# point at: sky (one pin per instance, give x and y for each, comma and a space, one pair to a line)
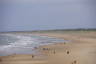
28, 15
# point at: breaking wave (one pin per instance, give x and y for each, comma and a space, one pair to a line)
23, 43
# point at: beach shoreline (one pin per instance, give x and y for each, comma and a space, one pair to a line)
80, 49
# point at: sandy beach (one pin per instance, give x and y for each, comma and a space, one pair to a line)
79, 49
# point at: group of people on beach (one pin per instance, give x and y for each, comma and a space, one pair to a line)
54, 52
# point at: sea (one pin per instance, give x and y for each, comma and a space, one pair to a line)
24, 43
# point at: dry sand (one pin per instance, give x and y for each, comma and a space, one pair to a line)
80, 49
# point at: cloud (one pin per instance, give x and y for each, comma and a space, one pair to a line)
45, 1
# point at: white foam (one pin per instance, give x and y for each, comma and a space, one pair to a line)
24, 43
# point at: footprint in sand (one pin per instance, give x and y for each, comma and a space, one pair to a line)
74, 62
0, 60
67, 52
54, 51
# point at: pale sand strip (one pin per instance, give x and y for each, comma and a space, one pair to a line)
82, 49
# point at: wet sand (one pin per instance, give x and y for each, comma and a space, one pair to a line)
80, 49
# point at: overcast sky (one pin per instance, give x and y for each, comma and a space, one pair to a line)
20, 15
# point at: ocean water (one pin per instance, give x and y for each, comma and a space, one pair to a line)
23, 43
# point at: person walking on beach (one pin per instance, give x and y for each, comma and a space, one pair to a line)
32, 56
54, 51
